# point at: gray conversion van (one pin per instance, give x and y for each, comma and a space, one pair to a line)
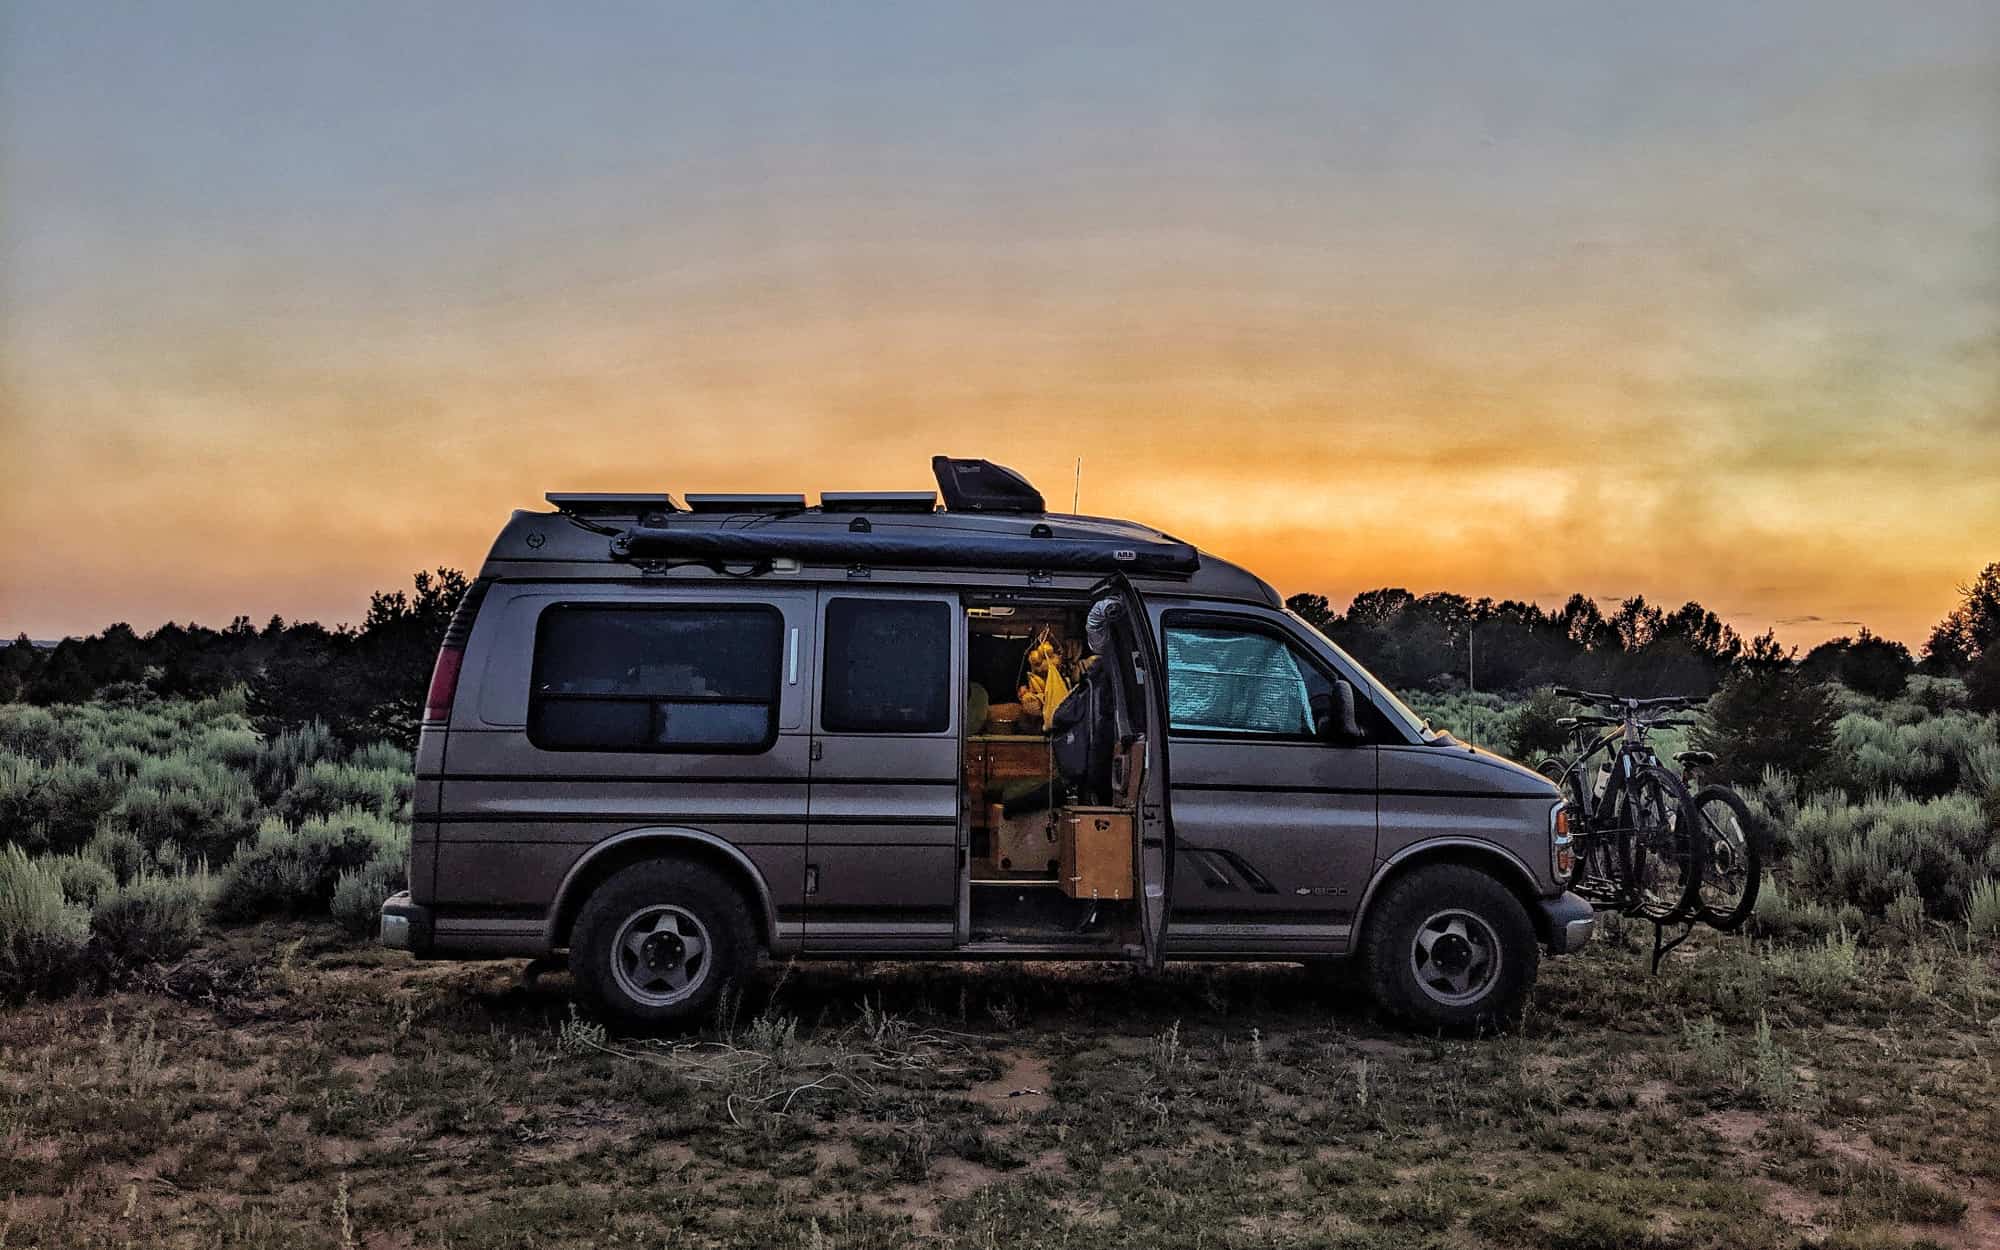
670, 738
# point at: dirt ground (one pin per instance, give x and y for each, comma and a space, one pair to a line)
287, 1088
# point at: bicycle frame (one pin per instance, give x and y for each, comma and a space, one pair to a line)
1624, 744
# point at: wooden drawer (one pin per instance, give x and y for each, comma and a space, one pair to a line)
1096, 846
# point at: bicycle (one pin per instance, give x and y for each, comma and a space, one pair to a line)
1630, 817
1734, 868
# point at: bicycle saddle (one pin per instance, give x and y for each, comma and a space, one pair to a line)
1695, 759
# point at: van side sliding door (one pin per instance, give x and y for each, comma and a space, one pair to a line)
882, 808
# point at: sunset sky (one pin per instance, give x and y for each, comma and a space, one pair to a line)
1695, 300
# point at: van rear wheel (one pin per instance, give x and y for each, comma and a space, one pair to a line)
657, 942
1449, 947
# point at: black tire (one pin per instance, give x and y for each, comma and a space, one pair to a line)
1662, 859
1734, 865
1426, 901
642, 919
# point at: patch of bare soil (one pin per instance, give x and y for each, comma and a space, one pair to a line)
1021, 1089
1979, 1230
1804, 1211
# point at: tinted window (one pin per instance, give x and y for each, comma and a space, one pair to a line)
888, 667
656, 679
1229, 679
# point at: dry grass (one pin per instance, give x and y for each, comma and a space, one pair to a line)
285, 1088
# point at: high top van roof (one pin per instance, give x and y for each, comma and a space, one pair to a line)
1003, 540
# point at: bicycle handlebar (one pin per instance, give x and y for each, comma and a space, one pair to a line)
1620, 701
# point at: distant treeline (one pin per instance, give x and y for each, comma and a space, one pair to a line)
367, 682
363, 683
1443, 641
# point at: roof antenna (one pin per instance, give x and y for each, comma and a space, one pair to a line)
1076, 493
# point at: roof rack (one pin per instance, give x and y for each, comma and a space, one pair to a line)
878, 500
745, 503
610, 503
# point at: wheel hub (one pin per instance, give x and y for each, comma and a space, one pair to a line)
1451, 953
663, 950
661, 954
1455, 956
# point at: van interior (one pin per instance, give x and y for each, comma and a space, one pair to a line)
1053, 764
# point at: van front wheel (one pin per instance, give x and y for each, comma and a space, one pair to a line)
656, 942
1449, 947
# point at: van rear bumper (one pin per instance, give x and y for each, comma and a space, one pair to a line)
406, 926
1570, 923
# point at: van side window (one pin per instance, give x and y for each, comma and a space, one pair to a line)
888, 667
1239, 680
630, 678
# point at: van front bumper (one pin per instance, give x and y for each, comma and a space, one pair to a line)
1571, 922
406, 926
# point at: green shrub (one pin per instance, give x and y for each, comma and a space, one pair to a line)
1925, 755
120, 850
1868, 853
25, 730
1935, 694
1982, 909
358, 895
84, 880
292, 871
1906, 913
383, 756
285, 753
1783, 915
155, 918
209, 817
42, 934
324, 787
1532, 732
236, 747
52, 806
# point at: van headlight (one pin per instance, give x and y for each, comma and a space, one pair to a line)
1562, 855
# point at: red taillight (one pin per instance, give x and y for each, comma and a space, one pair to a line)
444, 685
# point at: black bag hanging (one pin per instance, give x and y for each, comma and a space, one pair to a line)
1080, 734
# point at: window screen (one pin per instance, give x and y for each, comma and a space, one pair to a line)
656, 679
888, 667
1222, 679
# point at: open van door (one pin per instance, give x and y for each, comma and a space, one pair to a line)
1139, 666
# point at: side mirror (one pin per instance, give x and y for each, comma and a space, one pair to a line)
1337, 722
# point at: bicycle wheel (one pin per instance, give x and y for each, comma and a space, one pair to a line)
1663, 861
1583, 844
1734, 867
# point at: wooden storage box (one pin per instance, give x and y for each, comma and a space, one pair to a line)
1022, 843
1096, 844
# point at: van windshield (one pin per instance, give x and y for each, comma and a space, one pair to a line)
1384, 697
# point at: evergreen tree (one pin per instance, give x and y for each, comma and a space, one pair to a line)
1768, 714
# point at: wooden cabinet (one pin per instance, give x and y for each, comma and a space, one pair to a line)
993, 760
1096, 845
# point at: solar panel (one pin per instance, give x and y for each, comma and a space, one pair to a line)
610, 503
878, 500
746, 503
